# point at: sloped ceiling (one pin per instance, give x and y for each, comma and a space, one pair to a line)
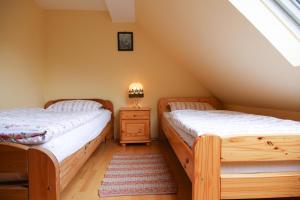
121, 10
230, 57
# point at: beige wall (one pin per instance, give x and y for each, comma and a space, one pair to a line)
21, 54
83, 61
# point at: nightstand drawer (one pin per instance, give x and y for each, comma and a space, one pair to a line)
135, 130
135, 115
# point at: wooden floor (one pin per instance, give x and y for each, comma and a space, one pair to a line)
85, 185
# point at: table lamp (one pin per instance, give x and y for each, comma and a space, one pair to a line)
136, 92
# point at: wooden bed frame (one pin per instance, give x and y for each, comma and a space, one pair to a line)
46, 177
203, 162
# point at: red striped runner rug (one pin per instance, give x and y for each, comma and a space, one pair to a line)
137, 174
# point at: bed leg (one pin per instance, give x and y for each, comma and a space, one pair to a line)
110, 135
207, 162
43, 175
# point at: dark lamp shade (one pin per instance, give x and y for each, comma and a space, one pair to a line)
135, 90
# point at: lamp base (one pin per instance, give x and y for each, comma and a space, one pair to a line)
136, 103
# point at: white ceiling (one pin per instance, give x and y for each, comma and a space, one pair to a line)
119, 10
73, 4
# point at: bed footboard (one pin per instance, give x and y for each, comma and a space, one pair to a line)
13, 165
14, 192
210, 151
27, 173
260, 149
43, 173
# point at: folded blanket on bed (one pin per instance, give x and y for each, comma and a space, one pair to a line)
229, 124
37, 125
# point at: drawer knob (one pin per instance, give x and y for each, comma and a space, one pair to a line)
187, 161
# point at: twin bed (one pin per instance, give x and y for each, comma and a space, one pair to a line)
232, 155
41, 150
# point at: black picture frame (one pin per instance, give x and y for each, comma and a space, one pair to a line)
125, 41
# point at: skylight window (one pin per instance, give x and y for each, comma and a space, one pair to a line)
292, 8
287, 12
278, 21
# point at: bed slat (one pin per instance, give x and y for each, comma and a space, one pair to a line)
13, 192
262, 185
43, 175
267, 148
13, 158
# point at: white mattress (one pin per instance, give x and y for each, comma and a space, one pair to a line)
34, 126
71, 141
229, 124
239, 167
186, 137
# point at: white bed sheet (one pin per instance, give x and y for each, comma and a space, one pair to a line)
239, 167
71, 141
186, 137
34, 126
227, 124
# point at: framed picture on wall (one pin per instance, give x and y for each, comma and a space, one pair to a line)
125, 41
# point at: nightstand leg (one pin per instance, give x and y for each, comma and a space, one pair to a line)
148, 143
123, 145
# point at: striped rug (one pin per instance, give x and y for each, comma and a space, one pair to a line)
137, 174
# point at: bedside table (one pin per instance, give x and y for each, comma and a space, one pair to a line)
134, 125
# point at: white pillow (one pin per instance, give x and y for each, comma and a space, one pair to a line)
190, 106
75, 105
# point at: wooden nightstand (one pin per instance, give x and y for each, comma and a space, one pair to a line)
134, 125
